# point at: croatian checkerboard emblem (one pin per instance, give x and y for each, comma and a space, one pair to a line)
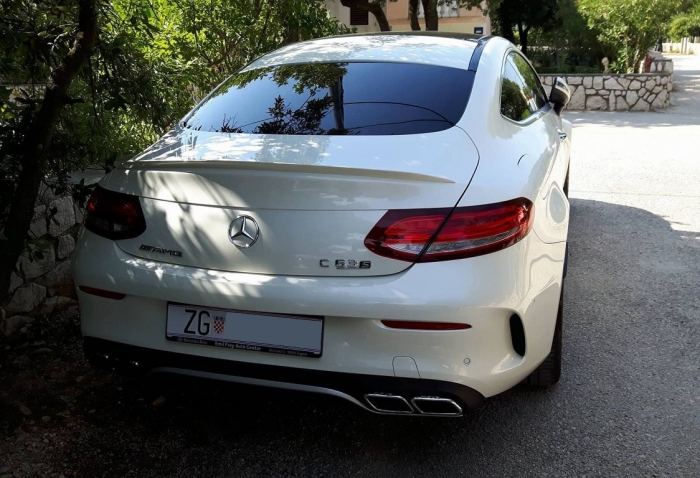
219, 324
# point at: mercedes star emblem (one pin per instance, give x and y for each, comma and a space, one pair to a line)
243, 232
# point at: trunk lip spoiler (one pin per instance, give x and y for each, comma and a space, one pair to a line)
190, 166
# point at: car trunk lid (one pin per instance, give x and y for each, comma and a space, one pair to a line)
312, 199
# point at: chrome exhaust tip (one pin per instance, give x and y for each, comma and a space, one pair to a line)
437, 406
387, 403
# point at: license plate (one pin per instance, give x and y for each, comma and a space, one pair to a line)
233, 329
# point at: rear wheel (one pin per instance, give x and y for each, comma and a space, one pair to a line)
548, 373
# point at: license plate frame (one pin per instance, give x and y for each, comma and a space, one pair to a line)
303, 334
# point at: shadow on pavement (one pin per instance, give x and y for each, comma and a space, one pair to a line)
631, 295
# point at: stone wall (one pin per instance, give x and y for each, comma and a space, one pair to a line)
633, 92
42, 281
661, 65
627, 92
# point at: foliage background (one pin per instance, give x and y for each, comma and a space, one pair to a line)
152, 61
687, 23
632, 27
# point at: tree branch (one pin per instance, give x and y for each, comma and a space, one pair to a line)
36, 147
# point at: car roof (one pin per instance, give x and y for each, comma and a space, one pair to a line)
455, 35
431, 48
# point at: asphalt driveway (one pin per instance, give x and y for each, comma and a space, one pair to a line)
628, 403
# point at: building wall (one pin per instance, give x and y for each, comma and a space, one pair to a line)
343, 15
684, 48
397, 15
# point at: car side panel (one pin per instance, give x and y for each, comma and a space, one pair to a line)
516, 159
552, 204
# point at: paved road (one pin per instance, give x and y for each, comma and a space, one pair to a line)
629, 400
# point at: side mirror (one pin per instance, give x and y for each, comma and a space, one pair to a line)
560, 95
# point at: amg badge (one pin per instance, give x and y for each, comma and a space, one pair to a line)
160, 250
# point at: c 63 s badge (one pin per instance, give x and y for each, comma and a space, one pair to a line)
346, 264
160, 250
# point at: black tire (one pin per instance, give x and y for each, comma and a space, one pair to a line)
566, 184
549, 372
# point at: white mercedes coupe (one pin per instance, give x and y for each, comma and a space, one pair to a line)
381, 218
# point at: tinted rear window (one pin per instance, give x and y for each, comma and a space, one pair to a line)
336, 99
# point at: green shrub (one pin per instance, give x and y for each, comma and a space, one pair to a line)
685, 26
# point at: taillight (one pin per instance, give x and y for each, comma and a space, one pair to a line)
114, 215
429, 235
410, 325
108, 294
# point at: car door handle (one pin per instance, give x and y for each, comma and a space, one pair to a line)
562, 136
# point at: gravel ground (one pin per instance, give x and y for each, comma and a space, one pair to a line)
628, 403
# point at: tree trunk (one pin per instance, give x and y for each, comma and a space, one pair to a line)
36, 148
291, 35
523, 32
413, 14
373, 7
431, 14
506, 24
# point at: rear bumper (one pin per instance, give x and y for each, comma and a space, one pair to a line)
139, 361
484, 292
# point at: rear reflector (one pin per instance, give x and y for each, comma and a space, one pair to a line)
410, 325
114, 215
429, 235
107, 294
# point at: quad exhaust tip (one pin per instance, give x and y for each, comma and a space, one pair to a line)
436, 406
396, 404
386, 403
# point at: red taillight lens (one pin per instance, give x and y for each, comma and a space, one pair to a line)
114, 215
430, 235
410, 325
107, 294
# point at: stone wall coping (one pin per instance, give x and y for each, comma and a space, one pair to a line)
611, 75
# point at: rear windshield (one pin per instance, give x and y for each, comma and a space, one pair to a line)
336, 99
